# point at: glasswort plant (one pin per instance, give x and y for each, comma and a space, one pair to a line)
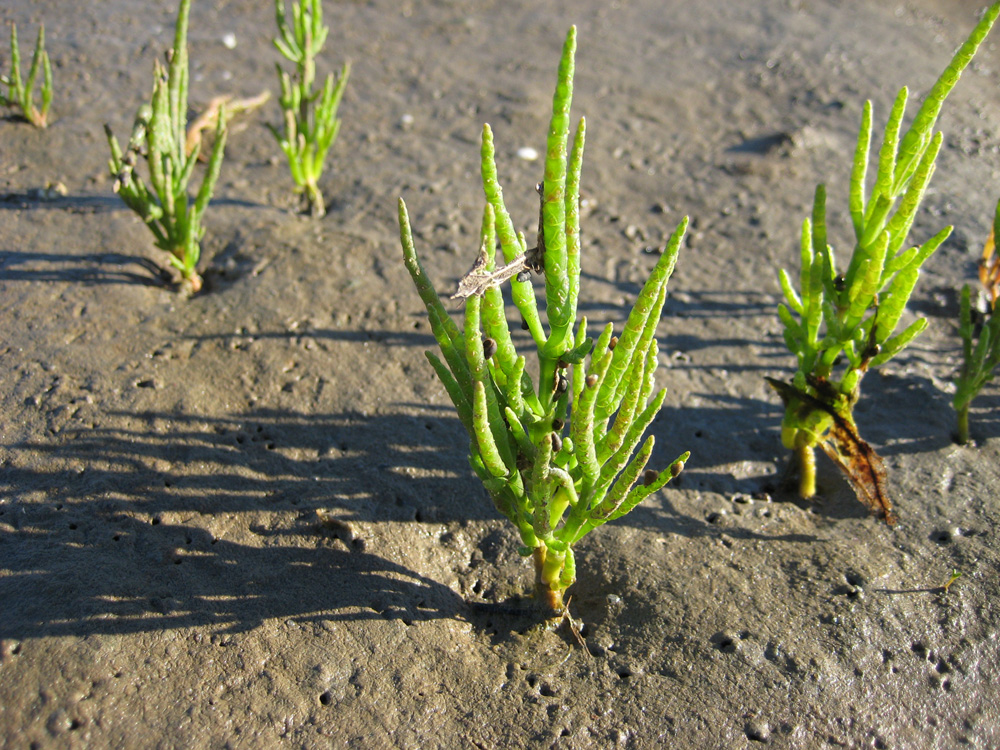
310, 117
839, 324
980, 350
20, 93
159, 136
561, 459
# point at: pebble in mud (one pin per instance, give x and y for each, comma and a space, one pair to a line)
758, 731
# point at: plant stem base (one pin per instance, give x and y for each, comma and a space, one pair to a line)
547, 597
807, 471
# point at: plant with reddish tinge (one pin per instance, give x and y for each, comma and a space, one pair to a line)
980, 339
567, 456
840, 324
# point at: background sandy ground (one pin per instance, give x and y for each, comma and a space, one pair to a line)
164, 578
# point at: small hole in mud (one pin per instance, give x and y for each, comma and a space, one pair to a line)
75, 724
547, 691
564, 733
167, 483
919, 649
72, 527
698, 433
418, 516
177, 561
623, 673
713, 517
116, 537
270, 446
532, 680
942, 537
326, 698
854, 579
155, 521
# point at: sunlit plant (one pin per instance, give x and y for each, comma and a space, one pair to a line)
159, 137
841, 323
980, 342
20, 92
561, 458
310, 123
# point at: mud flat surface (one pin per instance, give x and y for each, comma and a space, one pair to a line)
165, 579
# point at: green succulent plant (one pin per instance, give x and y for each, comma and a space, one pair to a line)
980, 343
310, 122
159, 137
563, 454
842, 323
21, 92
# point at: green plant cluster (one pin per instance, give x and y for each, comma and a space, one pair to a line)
561, 444
310, 123
21, 92
159, 136
565, 456
841, 323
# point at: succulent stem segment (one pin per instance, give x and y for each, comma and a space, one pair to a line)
980, 343
310, 124
565, 456
159, 136
839, 324
20, 92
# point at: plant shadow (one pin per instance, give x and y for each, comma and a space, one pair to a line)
134, 528
84, 268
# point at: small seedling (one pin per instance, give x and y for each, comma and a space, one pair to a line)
159, 135
980, 348
840, 324
20, 93
310, 123
952, 579
558, 459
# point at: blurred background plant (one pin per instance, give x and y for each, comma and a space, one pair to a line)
310, 123
159, 136
979, 328
840, 324
561, 459
20, 92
